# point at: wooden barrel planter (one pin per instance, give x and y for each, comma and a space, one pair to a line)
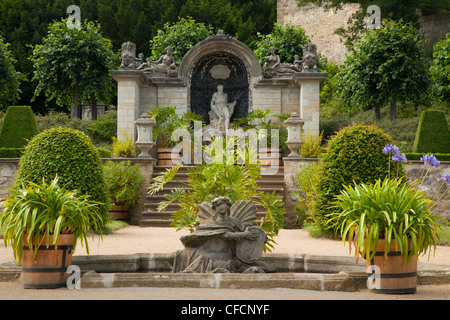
269, 158
119, 212
390, 275
48, 271
165, 157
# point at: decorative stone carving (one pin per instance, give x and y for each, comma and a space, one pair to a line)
309, 58
273, 67
294, 141
144, 141
225, 241
220, 72
128, 55
164, 67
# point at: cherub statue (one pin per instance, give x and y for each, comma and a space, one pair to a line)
224, 241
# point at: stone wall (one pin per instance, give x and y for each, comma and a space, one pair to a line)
320, 24
434, 28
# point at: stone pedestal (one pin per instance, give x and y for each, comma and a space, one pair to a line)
129, 84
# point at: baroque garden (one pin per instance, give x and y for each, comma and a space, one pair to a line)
226, 143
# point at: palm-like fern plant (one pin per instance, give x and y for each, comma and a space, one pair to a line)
167, 121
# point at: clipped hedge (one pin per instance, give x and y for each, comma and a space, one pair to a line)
433, 134
69, 154
11, 152
354, 155
19, 126
417, 156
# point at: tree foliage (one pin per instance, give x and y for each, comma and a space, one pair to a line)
386, 66
440, 69
181, 36
287, 40
25, 23
9, 78
73, 65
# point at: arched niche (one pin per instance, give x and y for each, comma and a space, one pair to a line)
220, 60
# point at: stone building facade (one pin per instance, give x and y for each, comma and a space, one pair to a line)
193, 86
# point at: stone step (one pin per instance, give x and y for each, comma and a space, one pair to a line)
163, 219
152, 217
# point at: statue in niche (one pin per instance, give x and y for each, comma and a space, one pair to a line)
128, 55
165, 66
309, 58
224, 241
221, 109
273, 67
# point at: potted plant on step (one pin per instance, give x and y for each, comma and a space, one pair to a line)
43, 223
390, 223
167, 120
123, 181
257, 119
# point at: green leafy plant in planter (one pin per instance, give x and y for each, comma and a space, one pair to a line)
123, 181
39, 215
167, 120
390, 218
263, 119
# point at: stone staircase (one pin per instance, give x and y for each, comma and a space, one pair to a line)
152, 218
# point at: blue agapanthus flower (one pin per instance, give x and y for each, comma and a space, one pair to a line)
399, 158
446, 178
389, 148
430, 160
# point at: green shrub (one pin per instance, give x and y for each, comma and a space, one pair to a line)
70, 155
123, 181
105, 128
11, 152
18, 127
104, 153
433, 134
354, 155
417, 156
123, 148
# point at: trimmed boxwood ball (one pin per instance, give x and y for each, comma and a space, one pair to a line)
69, 154
354, 155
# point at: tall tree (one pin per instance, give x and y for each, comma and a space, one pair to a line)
9, 78
72, 65
440, 69
386, 66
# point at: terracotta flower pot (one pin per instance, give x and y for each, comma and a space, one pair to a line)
165, 157
118, 212
48, 271
390, 275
